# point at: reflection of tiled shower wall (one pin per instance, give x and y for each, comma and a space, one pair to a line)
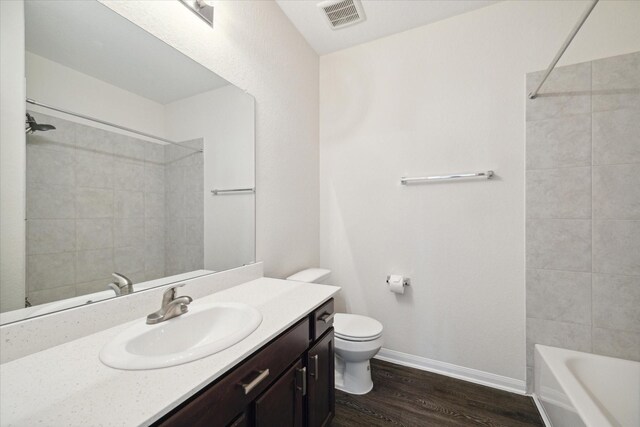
583, 209
184, 197
95, 205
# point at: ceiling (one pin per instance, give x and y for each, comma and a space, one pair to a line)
384, 17
92, 39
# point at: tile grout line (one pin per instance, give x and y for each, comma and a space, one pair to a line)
561, 116
590, 324
584, 272
592, 210
75, 209
592, 165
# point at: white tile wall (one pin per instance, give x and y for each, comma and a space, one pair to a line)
97, 203
583, 210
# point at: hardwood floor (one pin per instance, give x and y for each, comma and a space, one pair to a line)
404, 396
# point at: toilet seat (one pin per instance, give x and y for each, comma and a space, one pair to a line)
356, 339
353, 327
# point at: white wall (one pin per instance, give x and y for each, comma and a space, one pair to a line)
225, 119
12, 157
255, 47
52, 83
447, 97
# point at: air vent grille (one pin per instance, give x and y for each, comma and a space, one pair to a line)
342, 13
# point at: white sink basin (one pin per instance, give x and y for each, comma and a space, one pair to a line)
204, 330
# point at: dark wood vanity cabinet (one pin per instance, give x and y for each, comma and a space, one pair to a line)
287, 383
320, 385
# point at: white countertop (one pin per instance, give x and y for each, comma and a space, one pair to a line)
68, 385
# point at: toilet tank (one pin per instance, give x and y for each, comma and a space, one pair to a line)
312, 275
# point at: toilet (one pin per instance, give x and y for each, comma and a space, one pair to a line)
357, 340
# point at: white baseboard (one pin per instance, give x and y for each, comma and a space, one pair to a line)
460, 372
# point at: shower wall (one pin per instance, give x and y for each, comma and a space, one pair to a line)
184, 202
583, 209
96, 204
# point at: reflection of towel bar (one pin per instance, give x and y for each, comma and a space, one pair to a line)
486, 175
233, 191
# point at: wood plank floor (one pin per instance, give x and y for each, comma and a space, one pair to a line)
404, 396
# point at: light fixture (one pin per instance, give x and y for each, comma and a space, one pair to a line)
202, 8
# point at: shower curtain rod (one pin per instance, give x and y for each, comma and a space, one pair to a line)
103, 122
564, 47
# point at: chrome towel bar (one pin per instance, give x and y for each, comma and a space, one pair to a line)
233, 191
415, 180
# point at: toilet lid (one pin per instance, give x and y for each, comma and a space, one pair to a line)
356, 327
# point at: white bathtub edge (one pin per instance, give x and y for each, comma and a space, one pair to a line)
587, 406
543, 413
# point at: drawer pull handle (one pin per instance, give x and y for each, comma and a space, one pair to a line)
326, 317
254, 383
314, 374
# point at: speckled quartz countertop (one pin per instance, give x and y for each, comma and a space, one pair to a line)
68, 385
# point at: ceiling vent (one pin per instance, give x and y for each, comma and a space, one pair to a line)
342, 13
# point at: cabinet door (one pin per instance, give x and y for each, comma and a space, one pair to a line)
282, 404
241, 421
320, 384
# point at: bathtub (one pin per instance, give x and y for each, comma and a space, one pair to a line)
575, 389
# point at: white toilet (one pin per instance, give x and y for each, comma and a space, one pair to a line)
357, 340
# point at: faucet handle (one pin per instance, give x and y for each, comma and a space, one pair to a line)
121, 285
170, 294
121, 279
172, 306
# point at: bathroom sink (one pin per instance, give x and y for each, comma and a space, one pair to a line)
204, 330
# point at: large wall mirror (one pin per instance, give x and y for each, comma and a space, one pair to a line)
139, 163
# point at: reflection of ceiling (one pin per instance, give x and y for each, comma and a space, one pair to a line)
384, 17
89, 37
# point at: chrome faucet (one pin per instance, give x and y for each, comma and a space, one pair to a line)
172, 306
122, 285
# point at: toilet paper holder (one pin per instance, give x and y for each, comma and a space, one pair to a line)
405, 281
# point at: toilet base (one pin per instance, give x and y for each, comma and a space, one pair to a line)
353, 377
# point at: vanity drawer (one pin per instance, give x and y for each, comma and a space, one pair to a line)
221, 402
322, 319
